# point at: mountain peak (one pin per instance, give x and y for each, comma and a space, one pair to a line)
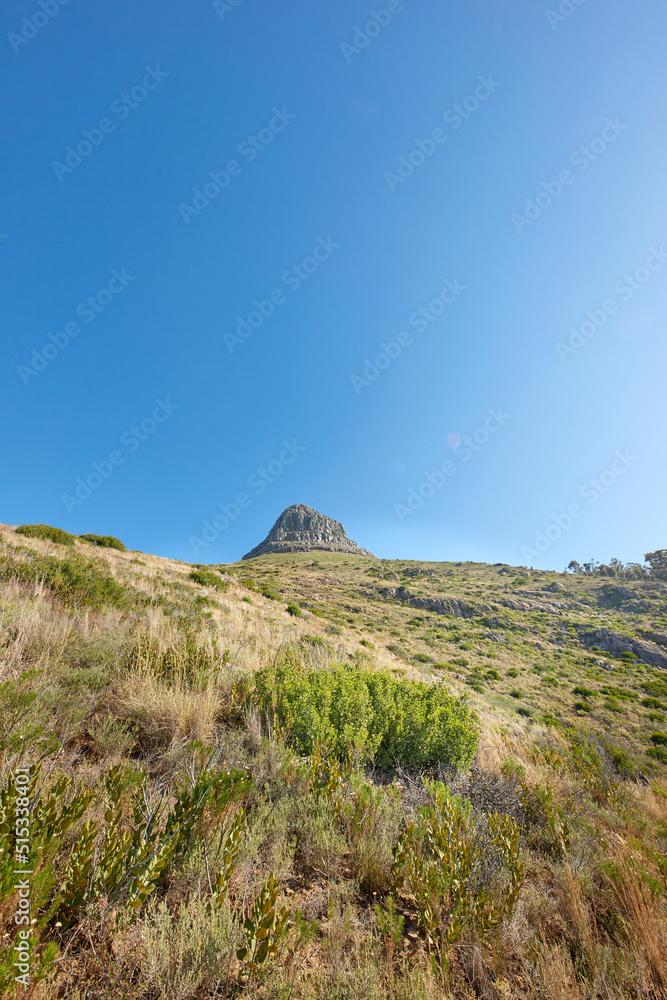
302, 529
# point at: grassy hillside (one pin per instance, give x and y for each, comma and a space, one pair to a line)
329, 776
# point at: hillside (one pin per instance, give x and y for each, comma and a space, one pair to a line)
259, 742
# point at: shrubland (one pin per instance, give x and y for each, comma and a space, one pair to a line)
230, 799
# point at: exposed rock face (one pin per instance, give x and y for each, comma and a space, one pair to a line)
302, 529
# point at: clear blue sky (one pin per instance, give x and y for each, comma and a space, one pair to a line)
306, 121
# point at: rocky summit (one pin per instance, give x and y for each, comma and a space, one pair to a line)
302, 529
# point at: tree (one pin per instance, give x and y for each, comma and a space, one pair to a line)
658, 563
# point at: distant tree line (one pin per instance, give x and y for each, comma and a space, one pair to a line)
655, 570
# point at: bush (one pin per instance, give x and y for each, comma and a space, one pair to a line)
206, 578
513, 672
492, 674
294, 609
268, 592
353, 714
657, 753
47, 532
366, 643
422, 658
660, 739
582, 706
75, 580
652, 703
584, 692
516, 693
104, 541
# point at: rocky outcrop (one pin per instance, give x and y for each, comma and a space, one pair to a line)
610, 642
302, 529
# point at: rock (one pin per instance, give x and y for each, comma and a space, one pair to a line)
610, 642
302, 529
555, 586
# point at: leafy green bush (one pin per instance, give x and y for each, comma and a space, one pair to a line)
660, 739
513, 672
47, 532
75, 580
516, 693
104, 541
652, 703
584, 692
206, 578
366, 643
294, 609
354, 714
657, 753
422, 658
493, 674
582, 706
268, 592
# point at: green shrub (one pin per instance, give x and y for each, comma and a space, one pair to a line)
653, 703
516, 693
492, 675
526, 712
660, 739
366, 643
206, 578
47, 532
657, 753
582, 706
75, 580
268, 592
354, 714
422, 657
512, 672
104, 541
294, 609
584, 692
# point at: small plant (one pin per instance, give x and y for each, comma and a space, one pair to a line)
653, 703
294, 609
512, 672
659, 739
104, 541
264, 929
584, 692
366, 643
526, 712
390, 923
516, 693
422, 658
247, 600
493, 674
205, 578
47, 532
582, 706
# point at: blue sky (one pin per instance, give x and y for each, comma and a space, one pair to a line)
173, 172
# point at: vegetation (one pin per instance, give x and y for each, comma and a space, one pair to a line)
225, 799
105, 541
45, 531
